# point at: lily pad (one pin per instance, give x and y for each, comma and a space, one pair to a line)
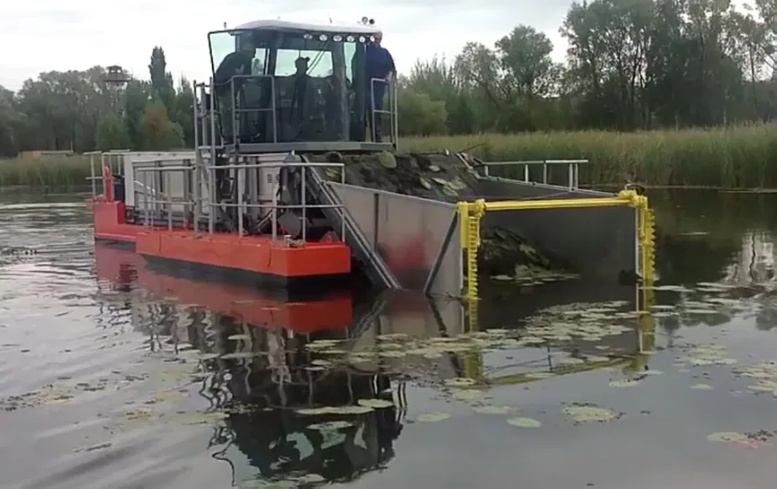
624, 383
375, 403
701, 386
587, 414
466, 394
460, 382
432, 417
524, 422
330, 425
726, 436
488, 409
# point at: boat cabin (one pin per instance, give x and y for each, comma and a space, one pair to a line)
280, 85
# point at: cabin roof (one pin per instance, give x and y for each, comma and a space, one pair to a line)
284, 25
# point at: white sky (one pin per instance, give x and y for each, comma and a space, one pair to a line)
42, 35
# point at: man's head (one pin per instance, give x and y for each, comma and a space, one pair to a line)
302, 65
247, 45
378, 38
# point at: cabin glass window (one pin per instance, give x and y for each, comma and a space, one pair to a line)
221, 44
319, 64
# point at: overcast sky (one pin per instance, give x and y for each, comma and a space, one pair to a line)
40, 35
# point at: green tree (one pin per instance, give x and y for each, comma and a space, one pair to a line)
159, 132
112, 133
163, 88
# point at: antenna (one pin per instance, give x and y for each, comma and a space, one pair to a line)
330, 17
225, 26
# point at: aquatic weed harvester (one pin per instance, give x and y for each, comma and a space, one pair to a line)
287, 188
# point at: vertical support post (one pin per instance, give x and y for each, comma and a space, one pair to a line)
577, 175
145, 198
94, 181
274, 110
169, 201
212, 204
304, 203
274, 216
571, 175
239, 183
545, 173
469, 230
342, 211
526, 172
102, 173
233, 112
194, 175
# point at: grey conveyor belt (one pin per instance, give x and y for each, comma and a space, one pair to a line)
374, 266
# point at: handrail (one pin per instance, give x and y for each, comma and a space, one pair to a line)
573, 169
149, 167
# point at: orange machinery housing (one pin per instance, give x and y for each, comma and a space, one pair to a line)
332, 311
248, 258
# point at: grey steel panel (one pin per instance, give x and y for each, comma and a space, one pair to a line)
411, 232
360, 203
407, 233
598, 243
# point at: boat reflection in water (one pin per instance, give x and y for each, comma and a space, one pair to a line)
269, 376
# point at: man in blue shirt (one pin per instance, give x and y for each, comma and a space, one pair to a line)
378, 64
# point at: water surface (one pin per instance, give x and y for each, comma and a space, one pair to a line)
116, 375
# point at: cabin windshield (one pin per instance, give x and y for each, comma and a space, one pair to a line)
289, 86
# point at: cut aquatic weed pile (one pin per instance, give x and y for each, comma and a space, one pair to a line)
444, 177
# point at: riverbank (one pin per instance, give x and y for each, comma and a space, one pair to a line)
732, 157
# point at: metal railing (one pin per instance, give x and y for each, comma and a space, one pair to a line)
573, 169
391, 112
236, 108
240, 170
155, 200
165, 172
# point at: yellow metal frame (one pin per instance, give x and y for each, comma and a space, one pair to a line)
470, 214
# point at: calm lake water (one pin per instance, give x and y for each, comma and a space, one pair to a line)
113, 375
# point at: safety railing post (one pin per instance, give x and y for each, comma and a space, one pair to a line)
239, 180
93, 177
169, 200
304, 203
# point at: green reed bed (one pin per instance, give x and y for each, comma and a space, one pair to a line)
731, 157
45, 173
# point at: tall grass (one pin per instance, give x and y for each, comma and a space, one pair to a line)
45, 173
731, 157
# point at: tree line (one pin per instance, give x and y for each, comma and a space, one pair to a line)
630, 65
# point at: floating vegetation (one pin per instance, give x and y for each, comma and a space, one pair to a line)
211, 417
375, 403
346, 410
624, 383
489, 409
432, 417
726, 436
524, 422
288, 483
589, 414
466, 394
460, 382
330, 425
701, 387
704, 355
583, 321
